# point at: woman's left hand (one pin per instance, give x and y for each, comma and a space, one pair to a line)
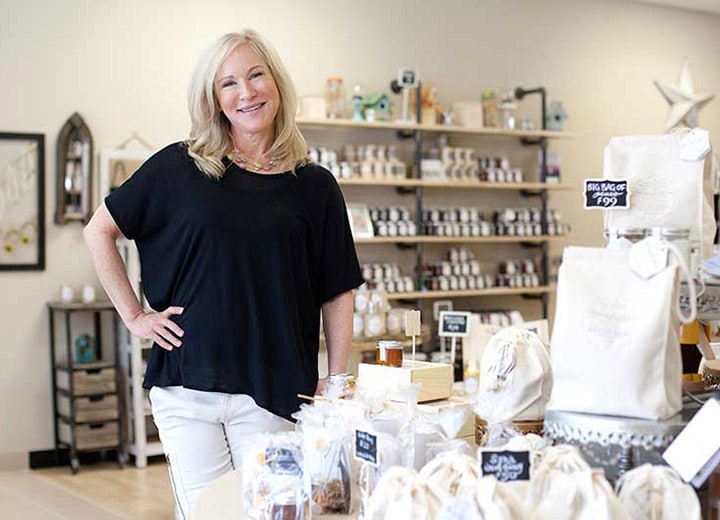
321, 384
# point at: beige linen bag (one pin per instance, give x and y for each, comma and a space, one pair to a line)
657, 493
515, 377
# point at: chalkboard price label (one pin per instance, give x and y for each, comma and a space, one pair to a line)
454, 324
366, 447
606, 194
506, 466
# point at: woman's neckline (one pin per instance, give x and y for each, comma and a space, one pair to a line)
260, 174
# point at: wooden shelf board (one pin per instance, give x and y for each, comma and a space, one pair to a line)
496, 291
420, 239
398, 125
80, 306
454, 184
93, 365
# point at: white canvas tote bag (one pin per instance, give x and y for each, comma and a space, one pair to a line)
615, 346
666, 189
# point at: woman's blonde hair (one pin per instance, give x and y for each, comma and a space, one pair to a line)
210, 139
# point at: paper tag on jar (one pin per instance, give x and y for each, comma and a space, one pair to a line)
695, 145
648, 257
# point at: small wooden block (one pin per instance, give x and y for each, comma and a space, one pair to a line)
436, 379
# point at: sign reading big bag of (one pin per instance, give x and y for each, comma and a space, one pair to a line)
615, 346
669, 180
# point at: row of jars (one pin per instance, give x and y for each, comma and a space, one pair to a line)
387, 168
459, 283
373, 317
386, 277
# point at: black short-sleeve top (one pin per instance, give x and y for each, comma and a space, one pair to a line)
251, 258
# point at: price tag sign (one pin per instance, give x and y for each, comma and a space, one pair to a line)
695, 452
506, 466
366, 447
454, 324
606, 194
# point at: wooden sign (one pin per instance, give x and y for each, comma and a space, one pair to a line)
412, 323
606, 194
454, 324
506, 466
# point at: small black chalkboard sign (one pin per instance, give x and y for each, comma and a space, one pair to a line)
506, 466
454, 323
606, 194
366, 447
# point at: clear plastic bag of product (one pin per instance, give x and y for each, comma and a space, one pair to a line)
390, 456
275, 487
328, 465
326, 444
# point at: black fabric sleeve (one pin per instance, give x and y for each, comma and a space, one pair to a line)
138, 205
339, 267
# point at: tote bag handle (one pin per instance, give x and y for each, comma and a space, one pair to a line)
692, 292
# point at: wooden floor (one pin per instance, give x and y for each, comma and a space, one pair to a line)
99, 491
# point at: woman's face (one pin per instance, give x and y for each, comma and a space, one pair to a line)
246, 92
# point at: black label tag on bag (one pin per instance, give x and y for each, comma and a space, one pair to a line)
366, 447
606, 194
506, 466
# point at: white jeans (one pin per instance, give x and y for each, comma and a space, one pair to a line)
203, 435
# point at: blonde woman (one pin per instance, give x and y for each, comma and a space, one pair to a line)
243, 244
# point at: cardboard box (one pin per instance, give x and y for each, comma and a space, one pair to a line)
436, 379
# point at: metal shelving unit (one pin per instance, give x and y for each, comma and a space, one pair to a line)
418, 186
87, 411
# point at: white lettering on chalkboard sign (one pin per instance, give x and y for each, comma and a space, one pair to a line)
506, 466
366, 447
454, 324
606, 194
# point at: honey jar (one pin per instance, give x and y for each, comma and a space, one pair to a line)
389, 353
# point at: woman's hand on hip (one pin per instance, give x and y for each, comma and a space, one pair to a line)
158, 327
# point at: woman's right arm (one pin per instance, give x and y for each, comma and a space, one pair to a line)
100, 235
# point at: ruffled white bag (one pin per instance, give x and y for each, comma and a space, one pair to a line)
565, 488
401, 495
451, 474
515, 377
657, 493
498, 501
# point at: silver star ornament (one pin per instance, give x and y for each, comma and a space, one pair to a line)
685, 104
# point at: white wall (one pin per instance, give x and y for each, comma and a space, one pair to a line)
125, 65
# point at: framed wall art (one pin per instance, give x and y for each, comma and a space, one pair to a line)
360, 222
117, 166
22, 202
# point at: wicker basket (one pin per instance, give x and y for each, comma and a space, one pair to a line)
481, 430
711, 373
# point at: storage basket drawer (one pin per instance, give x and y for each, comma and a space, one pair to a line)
91, 436
91, 409
88, 382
